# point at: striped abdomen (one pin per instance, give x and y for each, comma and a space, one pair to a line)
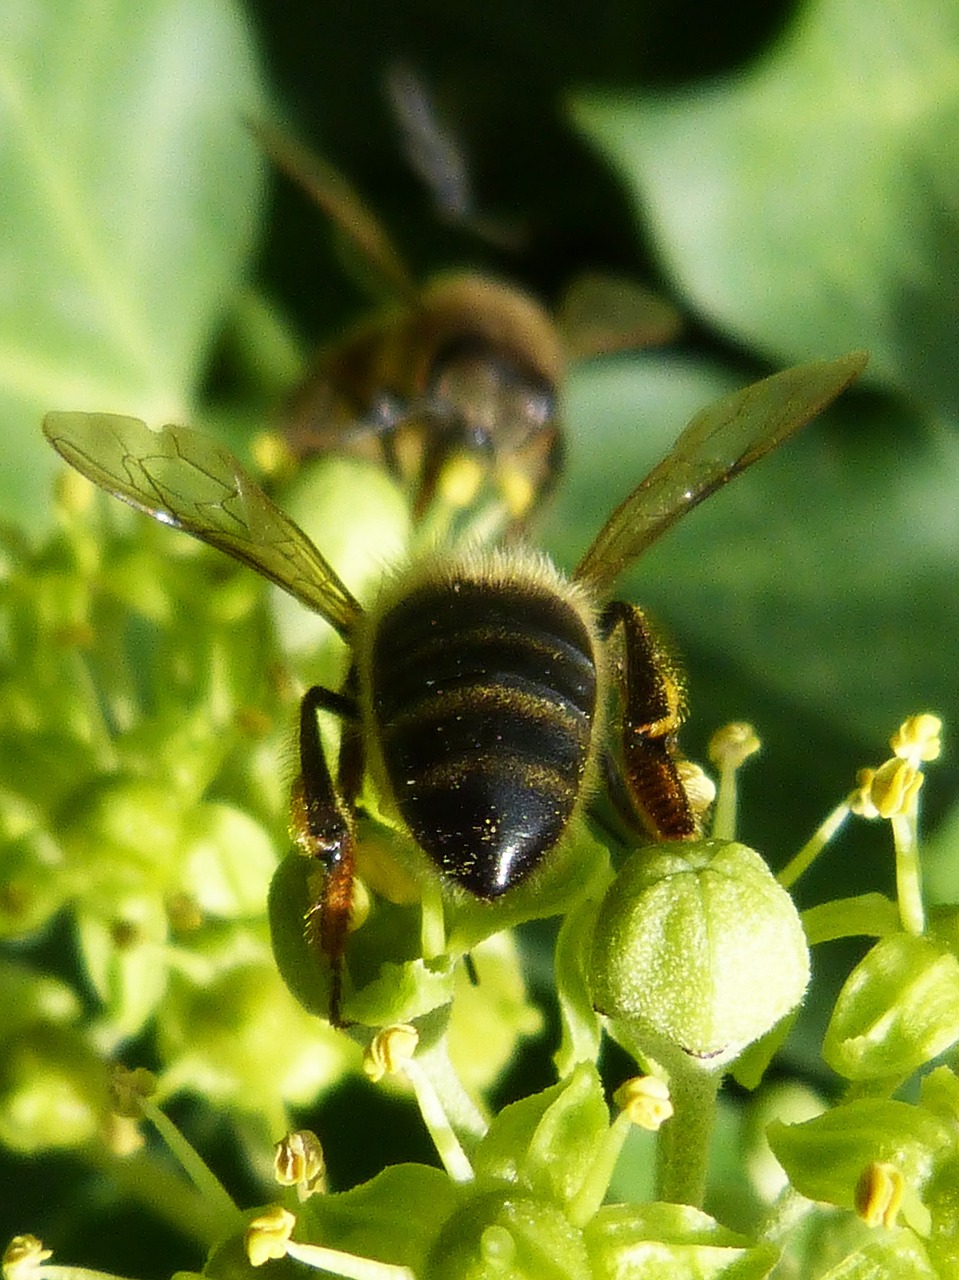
483, 695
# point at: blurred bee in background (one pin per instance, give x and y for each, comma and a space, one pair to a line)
489, 697
455, 386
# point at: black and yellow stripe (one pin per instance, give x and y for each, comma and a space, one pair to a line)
484, 695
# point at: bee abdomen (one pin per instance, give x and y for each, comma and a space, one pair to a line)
484, 696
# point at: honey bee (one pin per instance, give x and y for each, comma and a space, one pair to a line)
463, 367
477, 701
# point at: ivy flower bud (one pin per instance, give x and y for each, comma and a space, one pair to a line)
697, 946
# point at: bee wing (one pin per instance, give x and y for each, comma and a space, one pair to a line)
431, 146
717, 445
341, 203
187, 480
600, 314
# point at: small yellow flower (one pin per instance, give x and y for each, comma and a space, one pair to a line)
22, 1256
298, 1162
645, 1100
733, 744
894, 788
917, 739
268, 1235
879, 1193
128, 1087
390, 1050
698, 785
860, 800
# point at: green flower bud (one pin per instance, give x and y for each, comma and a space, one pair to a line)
54, 1090
898, 1009
326, 501
698, 947
237, 1036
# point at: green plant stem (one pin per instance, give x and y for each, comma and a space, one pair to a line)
908, 878
348, 1265
198, 1171
724, 808
165, 1192
813, 847
467, 1120
448, 1147
592, 1192
682, 1152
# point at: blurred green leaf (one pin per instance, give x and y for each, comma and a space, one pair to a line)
810, 204
131, 195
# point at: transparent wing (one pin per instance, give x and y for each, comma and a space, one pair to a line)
432, 148
717, 445
600, 314
341, 203
187, 480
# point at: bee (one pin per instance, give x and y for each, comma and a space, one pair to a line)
455, 386
481, 679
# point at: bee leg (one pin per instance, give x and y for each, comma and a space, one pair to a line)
324, 826
651, 713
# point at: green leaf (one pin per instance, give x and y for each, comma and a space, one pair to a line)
809, 204
131, 195
825, 1156
547, 1142
898, 1010
394, 1218
868, 914
895, 1253
504, 1232
670, 1242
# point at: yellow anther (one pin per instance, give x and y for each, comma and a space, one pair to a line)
917, 739
298, 1162
860, 800
894, 788
879, 1192
645, 1100
129, 1087
698, 785
733, 744
268, 1235
389, 1050
22, 1256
